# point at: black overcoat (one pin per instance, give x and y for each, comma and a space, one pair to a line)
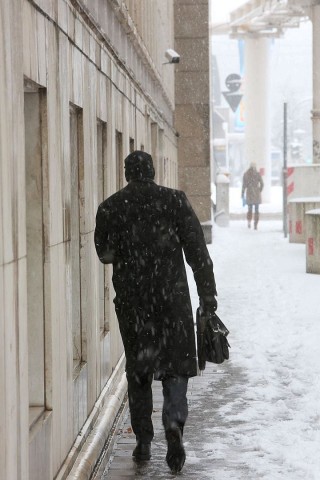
143, 230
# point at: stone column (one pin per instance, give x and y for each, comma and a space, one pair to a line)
316, 83
192, 106
257, 108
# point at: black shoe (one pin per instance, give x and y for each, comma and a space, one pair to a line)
142, 451
176, 454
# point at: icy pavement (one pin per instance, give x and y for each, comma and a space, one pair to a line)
257, 416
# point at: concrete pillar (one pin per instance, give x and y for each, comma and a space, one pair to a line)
192, 105
257, 108
316, 83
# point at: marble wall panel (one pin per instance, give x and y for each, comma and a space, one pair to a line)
78, 33
64, 134
6, 178
62, 14
85, 41
30, 37
76, 91
102, 104
56, 364
40, 450
71, 23
42, 46
14, 366
80, 402
89, 311
55, 171
3, 405
27, 15
94, 52
11, 363
105, 62
105, 361
59, 373
90, 148
48, 6
1, 216
47, 59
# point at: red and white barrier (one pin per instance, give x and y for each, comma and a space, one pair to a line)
303, 181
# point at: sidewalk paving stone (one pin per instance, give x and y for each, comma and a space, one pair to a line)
207, 395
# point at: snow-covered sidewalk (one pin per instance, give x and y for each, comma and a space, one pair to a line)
272, 309
257, 416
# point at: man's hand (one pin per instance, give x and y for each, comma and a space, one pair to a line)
208, 305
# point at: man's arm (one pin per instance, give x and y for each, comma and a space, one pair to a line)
196, 253
104, 236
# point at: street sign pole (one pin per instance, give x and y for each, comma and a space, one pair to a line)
285, 170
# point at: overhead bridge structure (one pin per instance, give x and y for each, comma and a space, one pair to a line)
257, 22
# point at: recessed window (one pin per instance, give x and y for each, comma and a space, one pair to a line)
102, 194
76, 218
35, 148
119, 161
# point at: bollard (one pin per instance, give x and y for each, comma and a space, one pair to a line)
312, 218
222, 215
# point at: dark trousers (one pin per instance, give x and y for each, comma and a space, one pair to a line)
175, 405
256, 208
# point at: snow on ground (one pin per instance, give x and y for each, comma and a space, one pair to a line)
274, 206
271, 307
235, 200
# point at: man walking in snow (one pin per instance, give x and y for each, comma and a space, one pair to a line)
143, 231
252, 185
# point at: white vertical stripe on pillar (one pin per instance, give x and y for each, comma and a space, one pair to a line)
257, 107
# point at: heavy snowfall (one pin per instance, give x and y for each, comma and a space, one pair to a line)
271, 307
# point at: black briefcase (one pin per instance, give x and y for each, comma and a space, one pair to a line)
212, 342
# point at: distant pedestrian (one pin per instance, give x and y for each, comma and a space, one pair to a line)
252, 186
143, 231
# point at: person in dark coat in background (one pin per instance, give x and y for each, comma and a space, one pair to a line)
252, 186
143, 230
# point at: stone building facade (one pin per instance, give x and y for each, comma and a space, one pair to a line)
82, 83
